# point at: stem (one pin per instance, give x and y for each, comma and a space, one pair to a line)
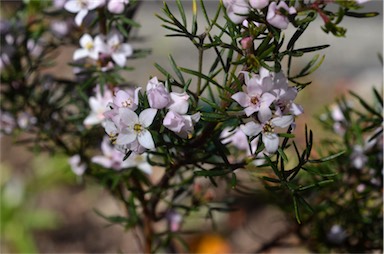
200, 67
102, 21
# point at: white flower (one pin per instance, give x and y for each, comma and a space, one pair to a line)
135, 127
98, 105
82, 7
158, 96
237, 10
256, 98
127, 99
113, 158
118, 50
269, 137
77, 167
89, 47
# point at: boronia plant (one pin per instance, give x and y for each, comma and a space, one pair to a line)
187, 124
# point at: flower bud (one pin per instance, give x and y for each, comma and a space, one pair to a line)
158, 97
246, 43
259, 4
179, 102
116, 6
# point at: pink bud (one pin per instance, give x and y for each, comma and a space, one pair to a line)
117, 6
246, 43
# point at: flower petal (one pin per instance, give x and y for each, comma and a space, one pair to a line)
128, 117
146, 116
146, 140
251, 129
72, 6
80, 16
282, 121
79, 54
271, 142
126, 137
242, 98
119, 58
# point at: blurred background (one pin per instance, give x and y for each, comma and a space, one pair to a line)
50, 210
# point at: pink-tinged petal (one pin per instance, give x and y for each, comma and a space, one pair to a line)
271, 142
146, 116
254, 87
282, 121
128, 117
106, 147
119, 58
146, 140
264, 114
250, 110
267, 99
296, 109
126, 137
242, 98
251, 129
102, 160
152, 83
79, 54
72, 6
196, 117
80, 16
266, 84
136, 99
110, 128
259, 4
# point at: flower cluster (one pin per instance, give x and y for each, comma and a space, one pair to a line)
106, 50
268, 102
127, 124
276, 14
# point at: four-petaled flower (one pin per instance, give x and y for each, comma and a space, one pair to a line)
269, 137
135, 127
257, 97
82, 7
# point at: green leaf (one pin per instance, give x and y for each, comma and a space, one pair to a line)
316, 185
182, 13
282, 154
361, 15
201, 75
233, 180
366, 106
328, 158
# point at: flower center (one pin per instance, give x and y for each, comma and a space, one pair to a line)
138, 128
127, 103
89, 45
83, 4
268, 128
254, 100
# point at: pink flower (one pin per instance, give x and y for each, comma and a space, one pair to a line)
238, 139
77, 167
158, 97
182, 125
269, 137
179, 102
127, 99
256, 97
259, 4
276, 17
113, 158
237, 10
117, 6
134, 127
